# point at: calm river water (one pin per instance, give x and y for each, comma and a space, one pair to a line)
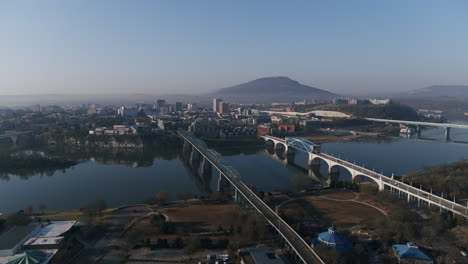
120, 180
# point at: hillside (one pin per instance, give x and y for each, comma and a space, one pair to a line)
273, 89
437, 91
447, 178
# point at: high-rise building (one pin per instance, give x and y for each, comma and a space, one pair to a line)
223, 108
178, 106
160, 103
216, 103
191, 107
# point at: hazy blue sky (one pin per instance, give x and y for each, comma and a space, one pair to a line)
193, 46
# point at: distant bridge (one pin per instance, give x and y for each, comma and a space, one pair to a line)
210, 158
289, 145
14, 136
419, 124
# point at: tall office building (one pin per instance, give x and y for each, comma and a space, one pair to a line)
178, 106
223, 107
216, 103
160, 103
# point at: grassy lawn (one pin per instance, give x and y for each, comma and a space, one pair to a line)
204, 217
346, 214
72, 215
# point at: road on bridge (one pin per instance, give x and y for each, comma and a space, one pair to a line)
415, 192
301, 247
418, 123
4, 136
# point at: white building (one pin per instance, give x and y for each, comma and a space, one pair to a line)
127, 112
216, 103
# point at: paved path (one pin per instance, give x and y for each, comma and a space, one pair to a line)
354, 200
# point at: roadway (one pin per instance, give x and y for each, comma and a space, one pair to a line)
298, 244
418, 123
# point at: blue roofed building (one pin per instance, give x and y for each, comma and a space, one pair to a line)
334, 240
411, 253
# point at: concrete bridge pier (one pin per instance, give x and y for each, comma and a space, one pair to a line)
14, 140
418, 130
194, 158
290, 156
447, 133
206, 170
381, 184
236, 196
187, 148
333, 175
222, 183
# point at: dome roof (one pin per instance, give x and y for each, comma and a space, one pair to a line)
334, 240
28, 257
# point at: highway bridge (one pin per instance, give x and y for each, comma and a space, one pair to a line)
359, 172
419, 124
211, 159
14, 136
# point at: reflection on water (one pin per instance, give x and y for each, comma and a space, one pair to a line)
129, 176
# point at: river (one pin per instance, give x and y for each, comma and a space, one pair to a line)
122, 179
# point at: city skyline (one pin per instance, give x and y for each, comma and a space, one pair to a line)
175, 47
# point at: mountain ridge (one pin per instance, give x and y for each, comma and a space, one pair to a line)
273, 89
440, 90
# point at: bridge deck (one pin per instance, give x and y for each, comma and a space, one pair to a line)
418, 123
14, 134
388, 181
302, 249
404, 187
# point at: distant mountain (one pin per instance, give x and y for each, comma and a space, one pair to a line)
273, 89
448, 91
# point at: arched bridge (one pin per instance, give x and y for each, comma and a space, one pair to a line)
410, 192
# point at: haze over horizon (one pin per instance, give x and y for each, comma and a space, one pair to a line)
161, 47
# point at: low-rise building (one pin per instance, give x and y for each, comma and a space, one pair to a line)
260, 255
411, 253
287, 128
334, 240
266, 129
205, 128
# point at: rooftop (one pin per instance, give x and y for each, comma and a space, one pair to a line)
264, 255
333, 239
55, 228
43, 241
411, 251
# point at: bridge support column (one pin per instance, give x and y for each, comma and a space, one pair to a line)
447, 133
333, 175
236, 196
418, 130
222, 183
290, 155
381, 184
187, 147
207, 169
14, 140
194, 157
